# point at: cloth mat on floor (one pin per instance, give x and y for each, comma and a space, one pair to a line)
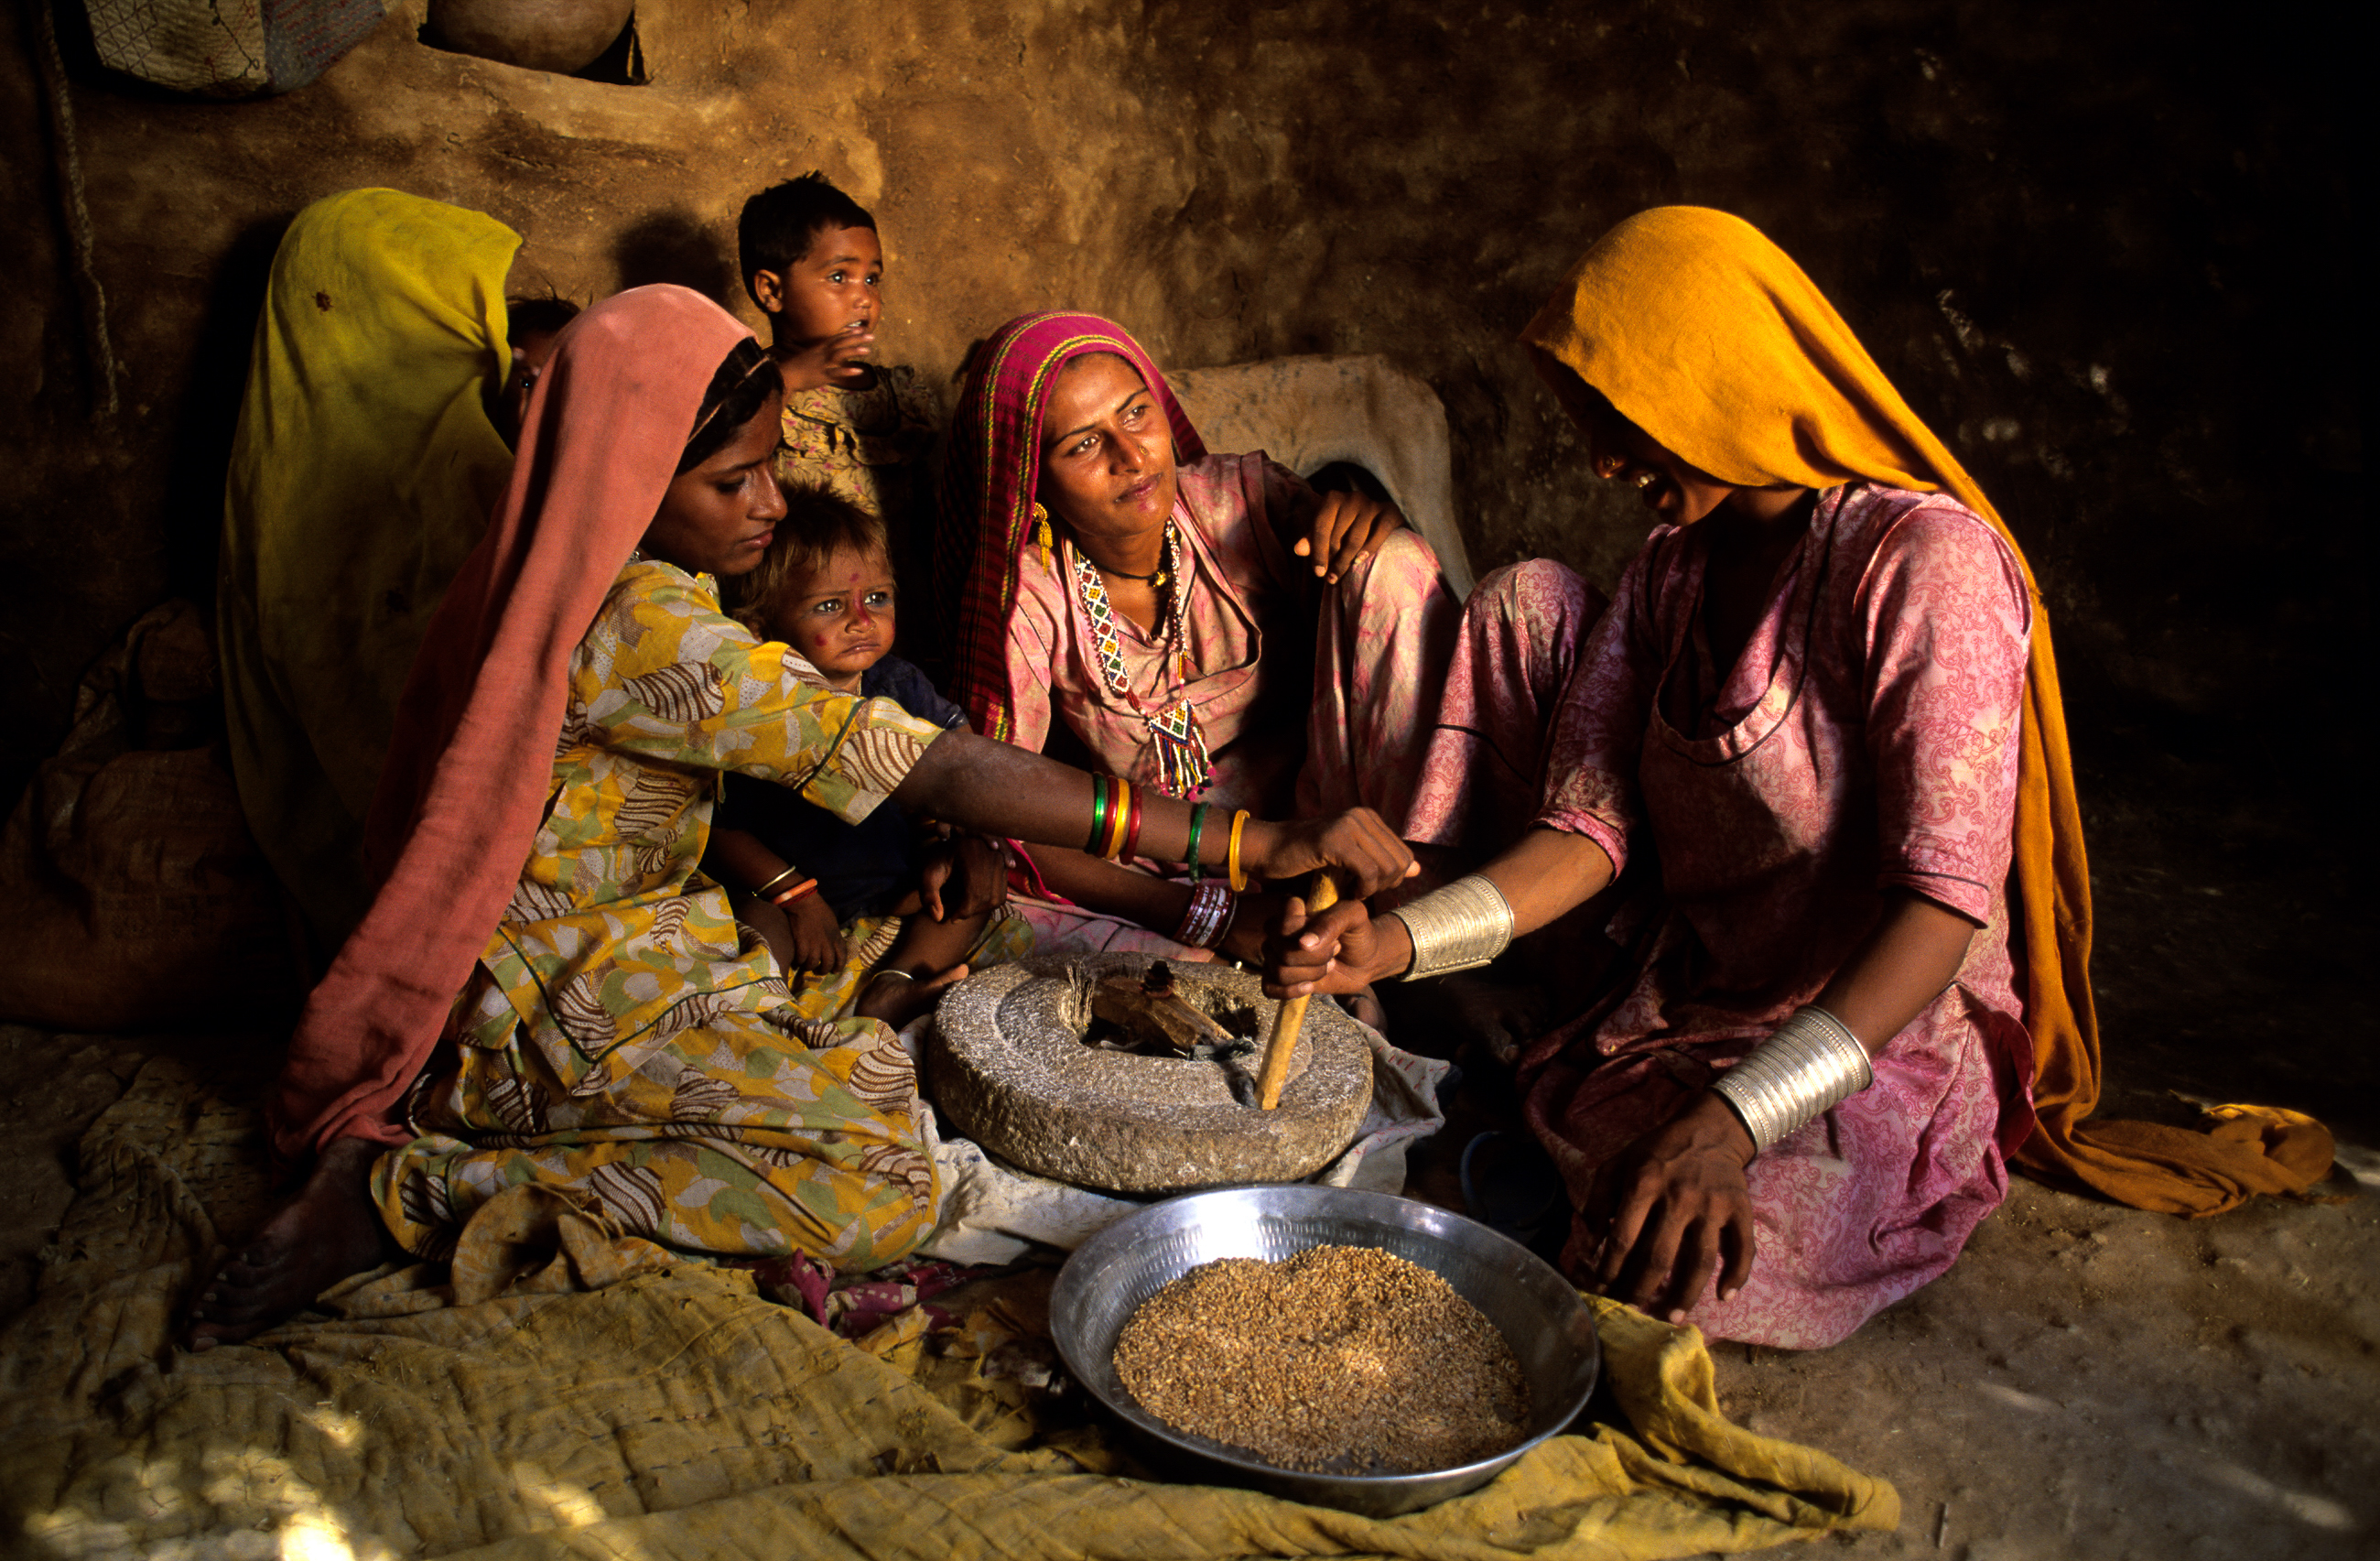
677, 1413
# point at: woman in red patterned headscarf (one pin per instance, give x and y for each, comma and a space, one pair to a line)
1206, 625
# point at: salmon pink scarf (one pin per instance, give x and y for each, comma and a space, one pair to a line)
987, 529
470, 769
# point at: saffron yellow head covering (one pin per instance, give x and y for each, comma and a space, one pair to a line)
361, 475
1709, 338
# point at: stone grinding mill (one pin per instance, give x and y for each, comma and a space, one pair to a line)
1102, 1071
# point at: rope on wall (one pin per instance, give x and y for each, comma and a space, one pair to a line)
77, 211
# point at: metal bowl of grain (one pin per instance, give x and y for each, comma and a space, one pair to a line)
1540, 1315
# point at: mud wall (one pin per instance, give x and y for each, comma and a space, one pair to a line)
2103, 249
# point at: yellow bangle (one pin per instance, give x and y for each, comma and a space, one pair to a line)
1120, 807
1231, 857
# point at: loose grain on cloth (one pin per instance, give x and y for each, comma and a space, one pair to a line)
674, 1413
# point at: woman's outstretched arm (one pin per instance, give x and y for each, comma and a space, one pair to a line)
993, 787
1543, 876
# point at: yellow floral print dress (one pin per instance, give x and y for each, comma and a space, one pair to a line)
623, 1036
867, 446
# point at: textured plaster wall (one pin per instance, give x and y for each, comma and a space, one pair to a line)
2103, 249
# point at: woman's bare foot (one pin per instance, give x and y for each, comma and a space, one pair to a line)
327, 1232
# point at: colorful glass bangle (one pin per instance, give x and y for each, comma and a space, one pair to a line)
1197, 826
1118, 812
808, 886
1227, 910
1130, 846
1207, 917
1232, 862
1098, 835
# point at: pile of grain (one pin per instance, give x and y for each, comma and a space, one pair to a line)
1340, 1359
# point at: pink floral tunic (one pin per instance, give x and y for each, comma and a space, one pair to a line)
1866, 738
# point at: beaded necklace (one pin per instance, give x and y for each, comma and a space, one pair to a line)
1183, 767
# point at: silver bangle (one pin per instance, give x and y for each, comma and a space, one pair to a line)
1810, 1063
1459, 927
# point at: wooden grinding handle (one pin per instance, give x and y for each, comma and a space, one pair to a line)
1292, 1015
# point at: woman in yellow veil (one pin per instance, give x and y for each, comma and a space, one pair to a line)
1824, 705
368, 456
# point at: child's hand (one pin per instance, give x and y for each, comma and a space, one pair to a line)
974, 869
816, 939
840, 360
1348, 529
847, 355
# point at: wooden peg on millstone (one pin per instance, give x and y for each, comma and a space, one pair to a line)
1286, 1022
1150, 1015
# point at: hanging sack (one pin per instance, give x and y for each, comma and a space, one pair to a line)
228, 48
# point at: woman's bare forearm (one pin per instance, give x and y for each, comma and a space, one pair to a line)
1913, 951
1101, 885
738, 860
1547, 873
1001, 789
998, 789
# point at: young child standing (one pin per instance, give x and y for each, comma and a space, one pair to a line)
813, 264
891, 909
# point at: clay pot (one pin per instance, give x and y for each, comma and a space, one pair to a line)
558, 35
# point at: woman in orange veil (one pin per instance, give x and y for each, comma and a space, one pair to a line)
1825, 698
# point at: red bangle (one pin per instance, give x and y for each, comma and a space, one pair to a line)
1131, 828
807, 887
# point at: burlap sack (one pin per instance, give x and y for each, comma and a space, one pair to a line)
130, 893
228, 48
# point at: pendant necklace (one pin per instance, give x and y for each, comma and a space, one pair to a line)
1183, 766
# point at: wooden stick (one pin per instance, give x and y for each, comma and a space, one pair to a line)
1292, 1015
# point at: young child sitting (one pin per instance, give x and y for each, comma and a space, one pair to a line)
813, 265
892, 911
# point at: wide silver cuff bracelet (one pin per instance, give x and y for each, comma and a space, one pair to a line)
1810, 1063
1461, 927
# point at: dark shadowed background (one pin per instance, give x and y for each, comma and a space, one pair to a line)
2105, 249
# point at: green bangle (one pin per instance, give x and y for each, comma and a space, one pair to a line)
1197, 823
1097, 845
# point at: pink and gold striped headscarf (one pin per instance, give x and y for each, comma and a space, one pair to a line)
987, 531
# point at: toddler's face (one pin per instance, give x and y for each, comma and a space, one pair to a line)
839, 614
832, 289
